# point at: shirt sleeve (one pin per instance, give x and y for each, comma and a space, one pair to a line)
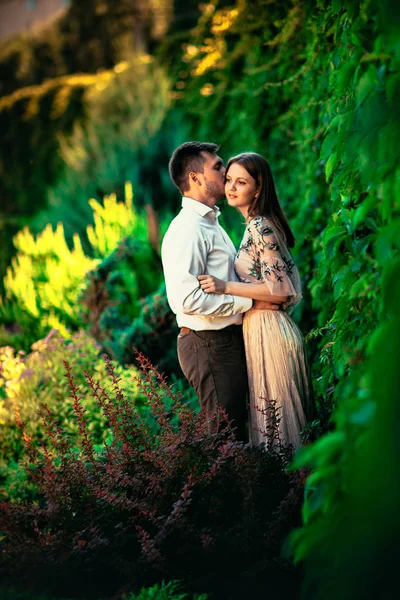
184, 257
271, 268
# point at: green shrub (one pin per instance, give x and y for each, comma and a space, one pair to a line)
126, 306
121, 319
154, 331
46, 277
167, 591
29, 381
114, 288
15, 482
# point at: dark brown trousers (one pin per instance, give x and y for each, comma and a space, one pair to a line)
214, 363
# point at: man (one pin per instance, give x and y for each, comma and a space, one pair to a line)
210, 343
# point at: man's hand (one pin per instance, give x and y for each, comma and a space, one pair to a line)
212, 285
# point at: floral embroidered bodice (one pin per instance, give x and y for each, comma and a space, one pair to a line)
263, 257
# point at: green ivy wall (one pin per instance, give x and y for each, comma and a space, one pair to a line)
315, 88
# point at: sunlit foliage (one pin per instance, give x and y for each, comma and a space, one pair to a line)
126, 135
46, 277
44, 80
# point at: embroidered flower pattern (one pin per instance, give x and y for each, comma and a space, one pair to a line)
266, 260
246, 247
274, 270
289, 267
255, 270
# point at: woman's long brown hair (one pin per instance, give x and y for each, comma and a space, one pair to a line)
267, 203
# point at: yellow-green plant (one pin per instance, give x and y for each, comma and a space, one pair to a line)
46, 277
27, 382
112, 222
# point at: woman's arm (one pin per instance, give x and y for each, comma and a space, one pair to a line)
256, 291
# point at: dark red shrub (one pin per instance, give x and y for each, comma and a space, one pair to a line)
183, 504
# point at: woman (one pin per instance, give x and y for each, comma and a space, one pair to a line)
279, 382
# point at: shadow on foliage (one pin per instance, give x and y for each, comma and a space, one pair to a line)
126, 307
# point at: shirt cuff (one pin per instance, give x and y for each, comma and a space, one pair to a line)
241, 305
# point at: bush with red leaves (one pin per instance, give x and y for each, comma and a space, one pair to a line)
187, 503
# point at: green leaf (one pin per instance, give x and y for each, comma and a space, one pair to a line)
335, 123
387, 240
330, 165
345, 75
346, 215
323, 452
393, 89
333, 233
337, 6
366, 85
391, 287
361, 211
327, 145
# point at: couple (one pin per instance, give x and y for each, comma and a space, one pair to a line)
212, 290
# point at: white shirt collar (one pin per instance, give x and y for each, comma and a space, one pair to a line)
199, 207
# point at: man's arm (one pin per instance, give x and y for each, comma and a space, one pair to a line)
184, 256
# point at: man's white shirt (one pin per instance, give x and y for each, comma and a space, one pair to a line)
195, 244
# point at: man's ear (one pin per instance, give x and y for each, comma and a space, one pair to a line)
194, 178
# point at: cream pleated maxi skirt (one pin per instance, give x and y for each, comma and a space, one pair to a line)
279, 377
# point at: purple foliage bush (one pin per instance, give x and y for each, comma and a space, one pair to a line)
187, 503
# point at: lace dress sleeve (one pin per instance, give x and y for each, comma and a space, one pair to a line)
273, 262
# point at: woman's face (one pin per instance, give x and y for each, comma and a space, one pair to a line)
240, 188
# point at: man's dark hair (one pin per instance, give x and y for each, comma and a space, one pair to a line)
186, 158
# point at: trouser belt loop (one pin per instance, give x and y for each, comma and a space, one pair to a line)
185, 330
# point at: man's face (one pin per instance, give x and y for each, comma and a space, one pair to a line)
213, 176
